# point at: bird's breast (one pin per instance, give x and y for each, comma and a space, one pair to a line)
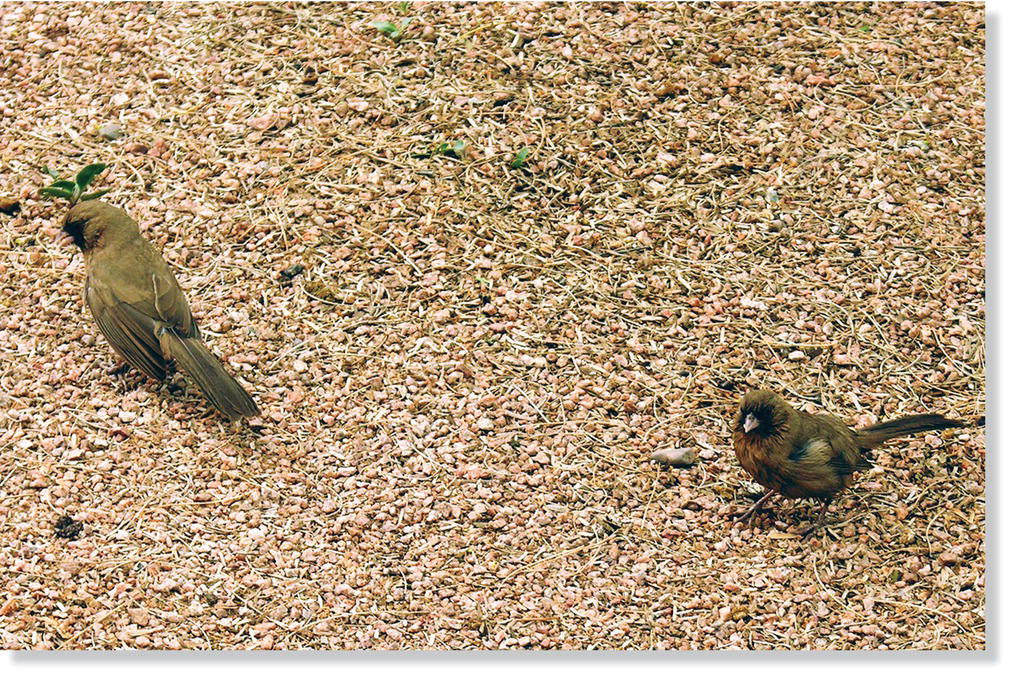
755, 458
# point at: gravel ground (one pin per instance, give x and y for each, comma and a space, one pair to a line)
464, 381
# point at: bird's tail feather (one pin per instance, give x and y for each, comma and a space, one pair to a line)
870, 437
220, 388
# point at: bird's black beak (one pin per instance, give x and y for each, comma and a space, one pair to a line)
750, 423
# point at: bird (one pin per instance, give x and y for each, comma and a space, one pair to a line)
797, 455
141, 310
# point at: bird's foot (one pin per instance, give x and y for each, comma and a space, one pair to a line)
821, 520
175, 383
747, 514
118, 369
811, 530
751, 511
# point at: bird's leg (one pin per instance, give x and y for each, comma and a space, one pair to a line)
119, 368
819, 519
748, 514
174, 380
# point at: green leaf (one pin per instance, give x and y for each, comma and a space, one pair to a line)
96, 194
521, 157
56, 192
88, 174
455, 149
49, 172
64, 185
403, 7
386, 27
391, 30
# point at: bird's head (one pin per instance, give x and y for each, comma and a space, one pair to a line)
87, 222
762, 414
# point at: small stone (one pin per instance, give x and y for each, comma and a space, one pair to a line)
486, 424
67, 528
9, 607
9, 206
292, 272
139, 616
310, 76
111, 132
136, 148
159, 148
951, 557
796, 355
127, 416
262, 123
666, 89
675, 456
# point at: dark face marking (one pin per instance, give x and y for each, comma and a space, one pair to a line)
75, 229
760, 418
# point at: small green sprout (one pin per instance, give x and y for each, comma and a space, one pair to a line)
404, 7
445, 149
392, 30
455, 149
74, 191
520, 158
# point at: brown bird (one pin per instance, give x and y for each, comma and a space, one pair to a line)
795, 454
140, 308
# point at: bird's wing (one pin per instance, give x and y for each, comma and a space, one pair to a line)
130, 334
843, 452
824, 440
169, 303
139, 277
142, 279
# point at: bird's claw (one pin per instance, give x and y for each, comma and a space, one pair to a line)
118, 369
751, 511
811, 530
746, 515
